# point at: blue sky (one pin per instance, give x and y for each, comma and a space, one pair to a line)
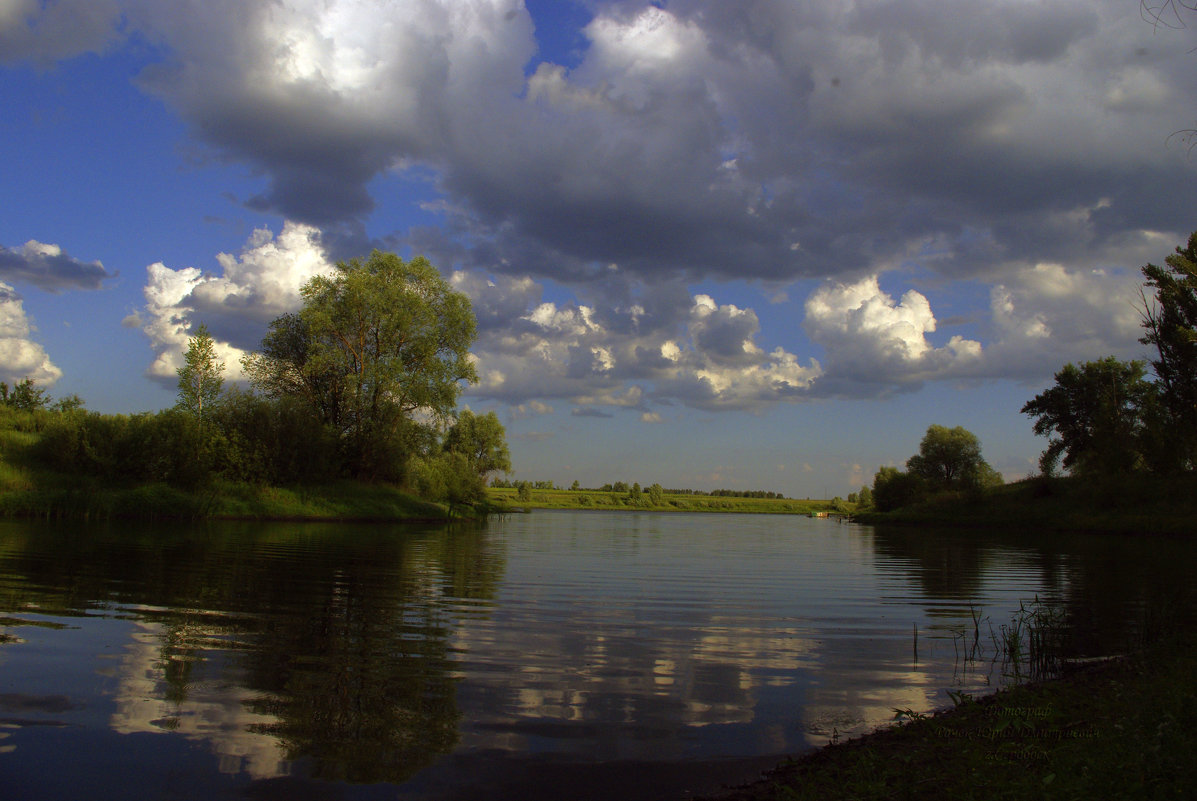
758, 245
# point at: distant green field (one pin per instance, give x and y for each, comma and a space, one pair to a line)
597, 499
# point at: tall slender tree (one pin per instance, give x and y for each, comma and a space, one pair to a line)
201, 376
1170, 320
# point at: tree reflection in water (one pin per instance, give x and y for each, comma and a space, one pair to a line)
299, 652
339, 648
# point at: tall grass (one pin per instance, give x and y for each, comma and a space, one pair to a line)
1121, 729
1029, 647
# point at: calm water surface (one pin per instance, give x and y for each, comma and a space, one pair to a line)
557, 654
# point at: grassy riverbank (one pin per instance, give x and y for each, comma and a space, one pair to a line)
670, 502
33, 485
1117, 730
71, 497
1135, 504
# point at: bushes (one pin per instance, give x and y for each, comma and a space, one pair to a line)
273, 441
448, 478
241, 439
245, 439
170, 447
893, 489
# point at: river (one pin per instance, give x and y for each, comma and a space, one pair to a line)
546, 655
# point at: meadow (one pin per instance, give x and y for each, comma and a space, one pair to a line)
583, 499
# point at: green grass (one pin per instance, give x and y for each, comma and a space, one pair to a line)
1124, 729
594, 499
1138, 504
346, 500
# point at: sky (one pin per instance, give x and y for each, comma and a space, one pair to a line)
751, 245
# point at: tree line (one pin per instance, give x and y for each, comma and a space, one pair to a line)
361, 383
949, 460
1103, 419
624, 487
1107, 417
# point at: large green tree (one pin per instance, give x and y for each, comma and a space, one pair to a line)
1093, 417
950, 458
1170, 320
482, 440
201, 376
374, 342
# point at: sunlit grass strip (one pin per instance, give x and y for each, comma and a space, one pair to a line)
54, 497
598, 499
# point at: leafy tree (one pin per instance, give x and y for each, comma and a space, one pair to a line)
893, 489
373, 343
200, 377
1092, 416
656, 495
949, 458
25, 396
68, 404
285, 368
451, 478
525, 491
1170, 321
575, 486
481, 440
864, 498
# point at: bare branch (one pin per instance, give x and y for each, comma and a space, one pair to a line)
1167, 13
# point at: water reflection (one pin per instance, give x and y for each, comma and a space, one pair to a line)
1116, 591
333, 642
416, 657
168, 687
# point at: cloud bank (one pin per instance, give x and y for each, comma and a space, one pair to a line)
1015, 148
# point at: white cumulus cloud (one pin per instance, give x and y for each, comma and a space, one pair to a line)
20, 356
870, 339
254, 286
1048, 314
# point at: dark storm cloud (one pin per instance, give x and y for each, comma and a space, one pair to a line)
47, 267
1028, 32
758, 139
1018, 145
43, 32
